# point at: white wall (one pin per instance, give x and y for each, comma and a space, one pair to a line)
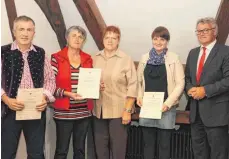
136, 19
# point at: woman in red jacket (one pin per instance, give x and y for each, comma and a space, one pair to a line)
71, 112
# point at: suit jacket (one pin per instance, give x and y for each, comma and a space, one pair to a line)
214, 108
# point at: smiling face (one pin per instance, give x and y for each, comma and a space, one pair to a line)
111, 41
75, 39
206, 34
160, 38
24, 32
159, 44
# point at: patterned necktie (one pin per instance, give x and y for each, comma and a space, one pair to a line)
201, 65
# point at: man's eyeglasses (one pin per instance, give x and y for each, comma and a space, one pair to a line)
204, 31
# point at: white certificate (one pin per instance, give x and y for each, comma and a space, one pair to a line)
89, 82
152, 105
31, 98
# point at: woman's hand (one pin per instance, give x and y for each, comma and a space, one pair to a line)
139, 102
102, 86
126, 117
76, 96
165, 108
72, 95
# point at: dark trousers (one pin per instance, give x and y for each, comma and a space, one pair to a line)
209, 142
110, 136
78, 129
34, 132
154, 139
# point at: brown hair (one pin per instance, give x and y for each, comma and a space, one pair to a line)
113, 29
161, 32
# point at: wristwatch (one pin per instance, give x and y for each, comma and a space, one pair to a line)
128, 110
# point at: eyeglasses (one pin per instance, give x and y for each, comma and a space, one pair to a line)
204, 31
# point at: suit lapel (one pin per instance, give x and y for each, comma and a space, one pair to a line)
209, 59
195, 60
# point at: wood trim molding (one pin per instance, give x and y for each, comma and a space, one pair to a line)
222, 19
11, 13
52, 11
93, 19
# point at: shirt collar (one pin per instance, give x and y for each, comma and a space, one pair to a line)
117, 53
14, 46
209, 46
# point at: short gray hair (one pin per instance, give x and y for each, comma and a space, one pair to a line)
209, 20
23, 18
76, 28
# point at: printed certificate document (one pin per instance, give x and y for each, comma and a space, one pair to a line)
31, 98
89, 82
152, 105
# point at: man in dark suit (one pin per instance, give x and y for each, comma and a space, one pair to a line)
207, 84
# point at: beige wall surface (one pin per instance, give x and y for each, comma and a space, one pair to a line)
136, 19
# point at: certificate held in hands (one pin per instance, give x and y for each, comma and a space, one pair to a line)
152, 105
89, 82
31, 98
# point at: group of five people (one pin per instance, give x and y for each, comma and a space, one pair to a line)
205, 80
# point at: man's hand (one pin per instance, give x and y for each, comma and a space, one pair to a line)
126, 118
199, 94
139, 102
41, 107
12, 103
165, 108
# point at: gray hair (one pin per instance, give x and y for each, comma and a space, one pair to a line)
209, 20
76, 28
23, 18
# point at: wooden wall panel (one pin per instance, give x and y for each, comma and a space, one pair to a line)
51, 9
222, 18
93, 19
11, 13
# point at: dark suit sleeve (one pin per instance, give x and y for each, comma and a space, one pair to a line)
221, 86
188, 83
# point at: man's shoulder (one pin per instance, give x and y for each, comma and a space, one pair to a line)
39, 49
5, 50
223, 51
196, 49
6, 47
193, 52
224, 48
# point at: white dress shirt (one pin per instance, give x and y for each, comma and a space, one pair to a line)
208, 50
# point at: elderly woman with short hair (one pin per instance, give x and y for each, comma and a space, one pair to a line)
71, 112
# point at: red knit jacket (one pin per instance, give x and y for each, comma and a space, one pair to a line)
63, 78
